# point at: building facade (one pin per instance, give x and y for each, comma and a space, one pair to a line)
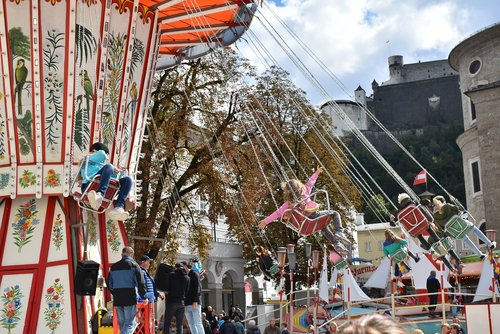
477, 59
224, 282
370, 238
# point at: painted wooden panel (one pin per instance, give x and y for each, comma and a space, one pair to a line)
88, 49
55, 311
21, 65
15, 296
115, 243
53, 37
139, 66
27, 179
53, 179
25, 231
94, 242
118, 62
59, 234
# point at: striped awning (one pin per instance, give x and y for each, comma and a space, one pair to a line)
192, 28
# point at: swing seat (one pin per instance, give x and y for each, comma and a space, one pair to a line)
443, 246
399, 255
304, 225
268, 266
274, 268
413, 220
109, 197
340, 263
396, 252
457, 227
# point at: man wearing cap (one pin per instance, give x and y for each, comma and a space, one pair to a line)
193, 307
152, 293
176, 288
125, 277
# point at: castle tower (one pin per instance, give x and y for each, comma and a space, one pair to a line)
360, 96
396, 74
76, 72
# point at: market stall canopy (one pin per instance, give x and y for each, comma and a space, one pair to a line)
190, 29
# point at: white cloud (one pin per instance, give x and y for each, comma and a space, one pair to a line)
350, 36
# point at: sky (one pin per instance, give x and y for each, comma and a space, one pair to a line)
354, 38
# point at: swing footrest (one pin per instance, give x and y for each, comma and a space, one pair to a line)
457, 227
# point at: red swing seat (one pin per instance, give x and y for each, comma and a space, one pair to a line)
413, 220
109, 197
304, 225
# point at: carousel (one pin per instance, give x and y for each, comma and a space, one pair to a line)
75, 73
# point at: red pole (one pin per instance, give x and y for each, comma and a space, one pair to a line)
281, 296
291, 301
315, 302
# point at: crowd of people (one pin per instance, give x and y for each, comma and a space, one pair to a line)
130, 282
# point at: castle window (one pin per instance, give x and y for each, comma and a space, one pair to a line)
475, 66
472, 111
476, 176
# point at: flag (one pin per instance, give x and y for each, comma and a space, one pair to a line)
420, 178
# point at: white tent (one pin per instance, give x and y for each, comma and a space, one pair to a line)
381, 276
323, 280
485, 287
333, 278
421, 271
350, 288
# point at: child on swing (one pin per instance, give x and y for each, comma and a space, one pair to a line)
296, 195
97, 166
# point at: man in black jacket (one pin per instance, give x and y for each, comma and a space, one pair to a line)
125, 277
193, 307
433, 286
176, 288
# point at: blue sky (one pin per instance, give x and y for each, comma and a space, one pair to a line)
355, 37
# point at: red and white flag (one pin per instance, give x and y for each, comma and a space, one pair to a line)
420, 178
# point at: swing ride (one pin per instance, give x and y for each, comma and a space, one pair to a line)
415, 220
86, 78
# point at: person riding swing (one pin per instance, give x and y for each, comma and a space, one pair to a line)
447, 217
416, 220
300, 212
95, 164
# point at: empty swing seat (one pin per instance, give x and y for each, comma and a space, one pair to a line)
457, 227
304, 225
413, 220
109, 197
443, 246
